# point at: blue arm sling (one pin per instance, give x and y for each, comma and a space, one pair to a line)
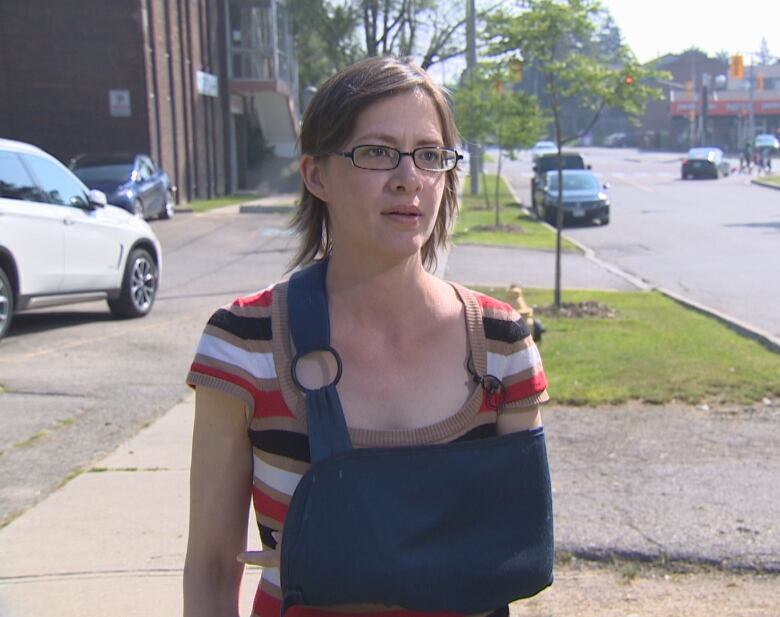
463, 527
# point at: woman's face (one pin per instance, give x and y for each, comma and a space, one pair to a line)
386, 214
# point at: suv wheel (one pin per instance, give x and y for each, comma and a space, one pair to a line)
139, 286
6, 303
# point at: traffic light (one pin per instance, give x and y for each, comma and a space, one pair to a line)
628, 80
737, 70
760, 82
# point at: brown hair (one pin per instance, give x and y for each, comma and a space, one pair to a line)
330, 119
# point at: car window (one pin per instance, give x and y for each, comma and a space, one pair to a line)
151, 165
60, 186
578, 182
15, 181
143, 170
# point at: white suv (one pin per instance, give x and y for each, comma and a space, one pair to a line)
60, 243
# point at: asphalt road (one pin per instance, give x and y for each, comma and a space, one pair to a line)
80, 383
715, 242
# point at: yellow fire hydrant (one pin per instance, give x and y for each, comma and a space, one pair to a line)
518, 302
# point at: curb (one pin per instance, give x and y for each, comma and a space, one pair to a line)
765, 339
768, 185
249, 209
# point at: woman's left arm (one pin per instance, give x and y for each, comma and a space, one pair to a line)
515, 420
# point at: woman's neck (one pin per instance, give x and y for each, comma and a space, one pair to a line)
382, 292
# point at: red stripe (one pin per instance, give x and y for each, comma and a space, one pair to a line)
267, 506
265, 605
308, 611
267, 403
261, 298
528, 387
492, 303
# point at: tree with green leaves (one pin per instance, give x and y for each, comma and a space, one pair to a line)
489, 107
561, 40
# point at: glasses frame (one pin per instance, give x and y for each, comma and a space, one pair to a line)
351, 156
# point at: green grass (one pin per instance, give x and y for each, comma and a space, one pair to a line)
770, 180
654, 351
203, 205
532, 234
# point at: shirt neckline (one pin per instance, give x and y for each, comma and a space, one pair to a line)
441, 431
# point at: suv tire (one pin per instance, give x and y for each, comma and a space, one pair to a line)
169, 209
6, 303
139, 287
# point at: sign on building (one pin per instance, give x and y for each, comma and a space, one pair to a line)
119, 103
207, 84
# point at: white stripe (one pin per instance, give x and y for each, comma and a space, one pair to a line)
617, 174
259, 365
271, 575
278, 479
500, 366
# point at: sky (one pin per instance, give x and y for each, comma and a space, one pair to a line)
670, 26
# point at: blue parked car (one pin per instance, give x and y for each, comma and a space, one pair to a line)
130, 181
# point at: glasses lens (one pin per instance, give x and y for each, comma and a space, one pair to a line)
375, 157
435, 159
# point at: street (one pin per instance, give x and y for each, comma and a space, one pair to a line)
80, 383
715, 242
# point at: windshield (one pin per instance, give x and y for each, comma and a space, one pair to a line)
579, 182
118, 174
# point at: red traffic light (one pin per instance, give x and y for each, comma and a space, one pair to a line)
628, 80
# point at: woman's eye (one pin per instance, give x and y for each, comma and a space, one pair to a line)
430, 155
378, 152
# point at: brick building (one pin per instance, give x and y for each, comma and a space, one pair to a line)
172, 78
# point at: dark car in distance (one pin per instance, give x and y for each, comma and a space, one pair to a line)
584, 197
704, 163
131, 181
549, 162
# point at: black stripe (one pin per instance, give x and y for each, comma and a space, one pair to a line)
480, 432
246, 328
282, 443
265, 536
506, 331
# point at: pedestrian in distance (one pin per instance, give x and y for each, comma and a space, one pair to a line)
419, 367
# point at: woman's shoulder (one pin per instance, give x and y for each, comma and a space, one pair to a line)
247, 317
500, 319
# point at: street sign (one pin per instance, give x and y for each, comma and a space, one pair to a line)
119, 103
207, 84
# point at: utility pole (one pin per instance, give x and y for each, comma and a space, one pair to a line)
471, 64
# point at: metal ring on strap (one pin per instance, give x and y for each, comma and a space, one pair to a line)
298, 356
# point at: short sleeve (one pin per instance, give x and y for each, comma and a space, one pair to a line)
512, 356
234, 352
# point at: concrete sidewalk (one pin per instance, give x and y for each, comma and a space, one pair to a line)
111, 541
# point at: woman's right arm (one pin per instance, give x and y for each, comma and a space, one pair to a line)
220, 492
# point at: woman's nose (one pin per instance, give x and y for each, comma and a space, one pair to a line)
407, 176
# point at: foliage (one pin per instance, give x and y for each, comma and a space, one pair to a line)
562, 40
654, 351
474, 223
489, 108
325, 38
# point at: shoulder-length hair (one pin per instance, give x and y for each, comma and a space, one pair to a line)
328, 123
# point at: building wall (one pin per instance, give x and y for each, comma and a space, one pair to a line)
58, 61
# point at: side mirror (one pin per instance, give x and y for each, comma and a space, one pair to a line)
97, 199
135, 176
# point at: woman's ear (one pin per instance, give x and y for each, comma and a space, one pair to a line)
312, 174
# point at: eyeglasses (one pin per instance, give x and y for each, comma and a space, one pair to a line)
384, 158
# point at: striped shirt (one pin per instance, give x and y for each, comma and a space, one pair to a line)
245, 351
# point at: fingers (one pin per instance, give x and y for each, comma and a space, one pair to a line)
264, 559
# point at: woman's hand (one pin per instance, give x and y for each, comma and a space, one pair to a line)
270, 558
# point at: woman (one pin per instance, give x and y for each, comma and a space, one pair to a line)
378, 198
